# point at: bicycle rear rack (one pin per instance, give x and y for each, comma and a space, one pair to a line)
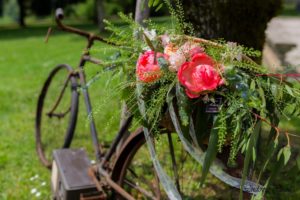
70, 180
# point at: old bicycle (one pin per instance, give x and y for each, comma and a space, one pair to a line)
129, 172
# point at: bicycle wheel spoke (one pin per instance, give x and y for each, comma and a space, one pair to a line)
56, 113
59, 115
62, 92
139, 189
143, 179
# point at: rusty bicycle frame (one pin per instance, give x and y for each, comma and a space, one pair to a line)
103, 159
102, 170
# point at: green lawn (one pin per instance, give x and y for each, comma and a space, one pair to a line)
25, 61
289, 9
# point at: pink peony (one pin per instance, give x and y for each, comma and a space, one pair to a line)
199, 75
195, 51
190, 49
147, 69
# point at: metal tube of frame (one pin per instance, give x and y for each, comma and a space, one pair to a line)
88, 102
116, 141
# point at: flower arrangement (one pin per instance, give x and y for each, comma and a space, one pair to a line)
196, 71
219, 93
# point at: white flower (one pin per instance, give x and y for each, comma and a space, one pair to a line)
34, 177
150, 34
33, 190
93, 162
38, 194
43, 183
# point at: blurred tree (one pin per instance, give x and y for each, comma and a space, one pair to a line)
63, 3
298, 6
22, 13
1, 8
142, 11
234, 20
99, 8
41, 8
128, 6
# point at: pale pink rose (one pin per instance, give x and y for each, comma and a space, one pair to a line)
190, 48
176, 60
165, 40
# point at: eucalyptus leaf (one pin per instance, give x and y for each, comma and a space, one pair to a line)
262, 96
150, 3
159, 7
253, 154
286, 154
279, 154
252, 85
156, 2
289, 90
149, 43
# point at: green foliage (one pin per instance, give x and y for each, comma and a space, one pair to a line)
222, 129
250, 96
284, 152
251, 144
83, 10
183, 105
180, 26
157, 4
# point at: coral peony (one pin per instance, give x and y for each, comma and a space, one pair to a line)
147, 69
170, 49
199, 75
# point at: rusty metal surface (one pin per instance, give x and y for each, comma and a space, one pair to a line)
70, 179
103, 174
59, 15
93, 196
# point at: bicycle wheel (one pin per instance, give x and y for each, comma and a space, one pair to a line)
56, 113
133, 171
